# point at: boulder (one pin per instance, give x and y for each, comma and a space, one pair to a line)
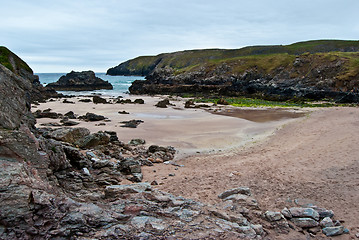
137, 141
163, 103
131, 124
241, 190
70, 115
333, 231
305, 222
80, 81
304, 212
70, 135
92, 117
139, 101
273, 216
93, 140
98, 99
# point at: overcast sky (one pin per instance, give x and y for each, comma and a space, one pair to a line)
65, 35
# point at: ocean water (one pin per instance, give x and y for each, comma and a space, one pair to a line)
120, 83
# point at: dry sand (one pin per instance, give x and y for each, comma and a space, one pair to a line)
313, 159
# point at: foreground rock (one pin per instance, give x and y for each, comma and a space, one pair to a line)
80, 81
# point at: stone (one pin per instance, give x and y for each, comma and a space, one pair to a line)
163, 103
304, 212
123, 112
326, 222
131, 124
113, 136
305, 222
324, 212
86, 172
273, 216
66, 122
86, 100
137, 141
80, 81
115, 191
92, 117
67, 101
76, 158
136, 177
98, 99
139, 101
286, 213
240, 190
93, 140
70, 115
70, 135
258, 229
243, 200
333, 231
219, 213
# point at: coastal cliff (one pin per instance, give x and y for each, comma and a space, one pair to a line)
326, 69
16, 65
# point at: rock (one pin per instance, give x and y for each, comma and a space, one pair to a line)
115, 191
86, 172
113, 136
76, 158
98, 99
70, 115
86, 100
324, 212
333, 231
163, 103
131, 123
305, 222
46, 114
189, 104
241, 190
137, 141
80, 81
286, 213
123, 112
93, 140
92, 117
243, 200
139, 101
304, 212
273, 216
326, 222
136, 177
67, 101
70, 135
130, 166
66, 122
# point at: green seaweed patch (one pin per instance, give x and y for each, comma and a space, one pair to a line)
255, 102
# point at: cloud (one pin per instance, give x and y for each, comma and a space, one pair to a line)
93, 34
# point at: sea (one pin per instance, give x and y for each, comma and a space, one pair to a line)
120, 84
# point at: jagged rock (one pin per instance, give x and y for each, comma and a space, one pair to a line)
137, 141
46, 114
98, 99
80, 81
273, 216
55, 156
241, 190
116, 191
76, 158
113, 136
130, 166
243, 200
163, 103
93, 140
333, 231
70, 115
326, 222
92, 117
305, 222
324, 212
131, 123
286, 213
304, 212
66, 122
70, 135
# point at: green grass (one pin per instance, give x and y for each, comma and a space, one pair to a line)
6, 54
252, 102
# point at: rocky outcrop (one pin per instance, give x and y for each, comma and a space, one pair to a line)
283, 77
80, 81
20, 68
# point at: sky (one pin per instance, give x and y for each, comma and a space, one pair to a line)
65, 35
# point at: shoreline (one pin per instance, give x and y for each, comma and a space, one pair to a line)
190, 131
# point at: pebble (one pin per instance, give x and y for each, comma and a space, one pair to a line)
171, 174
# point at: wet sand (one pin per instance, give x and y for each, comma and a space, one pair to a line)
190, 131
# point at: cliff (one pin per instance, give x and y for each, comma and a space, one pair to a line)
323, 74
20, 68
185, 59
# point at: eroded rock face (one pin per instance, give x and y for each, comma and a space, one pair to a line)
80, 81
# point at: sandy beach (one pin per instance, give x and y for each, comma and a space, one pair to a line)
313, 158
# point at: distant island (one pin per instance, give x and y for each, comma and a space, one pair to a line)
313, 70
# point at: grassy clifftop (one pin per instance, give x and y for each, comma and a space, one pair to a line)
185, 60
11, 61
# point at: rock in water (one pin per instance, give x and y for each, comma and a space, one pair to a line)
80, 81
